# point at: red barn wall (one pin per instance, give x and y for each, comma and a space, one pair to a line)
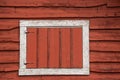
104, 16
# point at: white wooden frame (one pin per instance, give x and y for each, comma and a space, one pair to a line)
24, 24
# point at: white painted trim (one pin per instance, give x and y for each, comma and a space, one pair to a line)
54, 24
53, 71
49, 23
23, 47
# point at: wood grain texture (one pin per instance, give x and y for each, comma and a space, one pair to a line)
113, 3
105, 67
9, 35
95, 56
50, 3
104, 34
104, 56
104, 46
53, 47
95, 23
93, 76
12, 46
6, 24
104, 23
56, 3
9, 67
11, 27
94, 45
31, 48
58, 12
76, 48
65, 47
9, 57
110, 35
94, 67
42, 48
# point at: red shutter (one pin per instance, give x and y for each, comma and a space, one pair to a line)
54, 48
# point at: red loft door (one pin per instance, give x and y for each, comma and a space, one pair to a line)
54, 48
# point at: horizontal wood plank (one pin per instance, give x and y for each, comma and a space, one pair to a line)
105, 67
92, 76
104, 46
9, 57
61, 3
13, 57
66, 3
110, 35
9, 35
96, 56
37, 12
9, 67
8, 24
105, 23
95, 23
113, 3
94, 67
94, 45
9, 46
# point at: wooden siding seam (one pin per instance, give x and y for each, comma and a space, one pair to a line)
73, 12
37, 48
71, 48
70, 6
48, 48
66, 3
62, 17
9, 29
60, 49
91, 29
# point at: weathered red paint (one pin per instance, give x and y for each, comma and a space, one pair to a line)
42, 47
104, 34
55, 3
43, 12
31, 48
77, 48
65, 47
54, 48
95, 56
